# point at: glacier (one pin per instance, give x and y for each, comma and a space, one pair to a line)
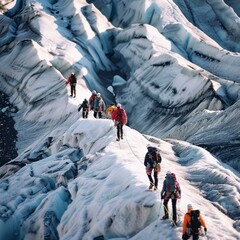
173, 65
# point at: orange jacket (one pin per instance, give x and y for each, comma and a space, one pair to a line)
186, 221
110, 110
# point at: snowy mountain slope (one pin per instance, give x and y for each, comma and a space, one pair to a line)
50, 58
102, 194
220, 21
99, 53
71, 180
140, 55
188, 96
167, 18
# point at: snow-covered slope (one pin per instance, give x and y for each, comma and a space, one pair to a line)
174, 66
134, 61
92, 186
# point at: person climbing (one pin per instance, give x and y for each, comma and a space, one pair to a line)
119, 116
192, 224
73, 81
91, 99
85, 108
98, 106
110, 110
171, 190
152, 162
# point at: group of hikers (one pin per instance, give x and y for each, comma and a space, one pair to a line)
171, 190
97, 105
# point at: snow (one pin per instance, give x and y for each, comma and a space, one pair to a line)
176, 76
102, 194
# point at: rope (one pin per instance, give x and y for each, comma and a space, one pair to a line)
133, 151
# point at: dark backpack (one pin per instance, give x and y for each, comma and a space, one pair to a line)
153, 154
73, 79
97, 103
120, 115
85, 104
194, 220
171, 184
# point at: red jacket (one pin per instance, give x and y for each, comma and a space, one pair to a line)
119, 115
72, 80
91, 101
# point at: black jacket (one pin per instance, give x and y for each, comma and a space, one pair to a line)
152, 157
84, 106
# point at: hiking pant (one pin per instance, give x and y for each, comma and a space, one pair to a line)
174, 208
85, 114
194, 236
155, 175
97, 113
73, 90
120, 130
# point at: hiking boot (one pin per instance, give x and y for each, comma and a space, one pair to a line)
151, 186
155, 188
165, 217
118, 139
121, 137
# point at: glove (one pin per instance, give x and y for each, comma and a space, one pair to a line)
205, 230
162, 196
185, 236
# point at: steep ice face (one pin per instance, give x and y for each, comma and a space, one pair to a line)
166, 95
166, 85
199, 48
220, 21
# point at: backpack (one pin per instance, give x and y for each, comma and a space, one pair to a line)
194, 220
91, 101
85, 105
153, 154
97, 103
171, 184
119, 115
73, 79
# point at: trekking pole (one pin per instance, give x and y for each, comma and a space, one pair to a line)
178, 208
170, 216
206, 235
159, 211
179, 201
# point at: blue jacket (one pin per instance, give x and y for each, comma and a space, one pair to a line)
98, 104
